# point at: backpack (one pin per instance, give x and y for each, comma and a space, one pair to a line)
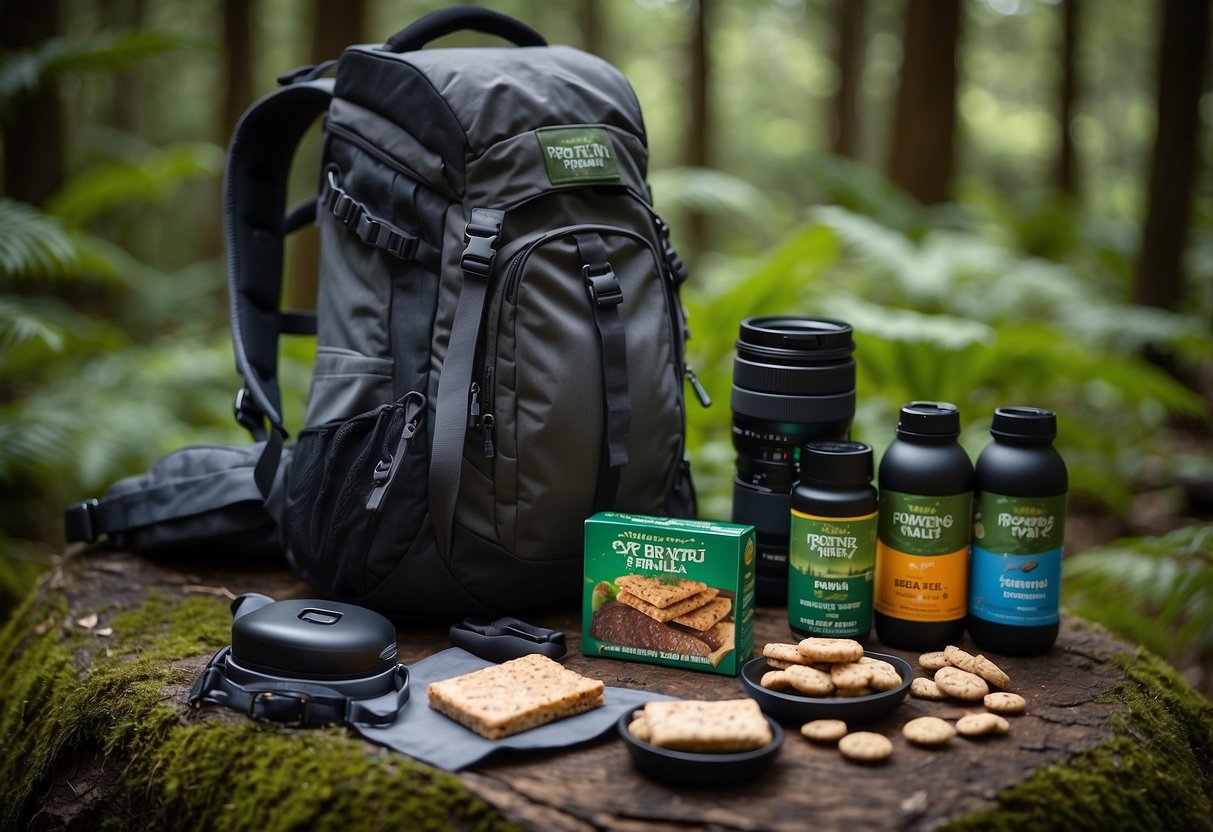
499, 335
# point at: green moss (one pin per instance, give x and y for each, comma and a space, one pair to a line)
1153, 773
66, 687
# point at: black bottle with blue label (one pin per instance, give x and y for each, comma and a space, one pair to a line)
1018, 533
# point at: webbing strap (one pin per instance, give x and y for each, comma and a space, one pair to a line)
254, 202
293, 703
455, 384
606, 297
374, 231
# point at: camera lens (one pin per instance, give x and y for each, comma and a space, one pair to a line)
793, 383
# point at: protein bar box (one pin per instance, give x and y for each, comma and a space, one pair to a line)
668, 591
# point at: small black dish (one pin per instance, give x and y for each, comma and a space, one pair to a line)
686, 768
793, 707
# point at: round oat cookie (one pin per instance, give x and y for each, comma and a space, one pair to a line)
776, 680
923, 688
980, 725
884, 675
933, 661
1005, 703
809, 680
865, 747
832, 650
824, 730
928, 730
961, 684
978, 666
783, 652
851, 675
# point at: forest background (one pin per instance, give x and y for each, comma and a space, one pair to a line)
1008, 199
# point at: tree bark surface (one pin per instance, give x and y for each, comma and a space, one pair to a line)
1075, 694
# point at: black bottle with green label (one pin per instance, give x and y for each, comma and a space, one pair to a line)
922, 556
832, 542
1018, 533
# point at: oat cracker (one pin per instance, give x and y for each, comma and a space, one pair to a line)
810, 681
708, 726
928, 731
656, 591
832, 650
824, 730
923, 688
865, 747
978, 665
783, 652
933, 661
980, 725
961, 684
1003, 702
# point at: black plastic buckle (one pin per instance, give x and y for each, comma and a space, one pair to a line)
79, 522
478, 254
271, 708
506, 638
371, 230
247, 414
604, 288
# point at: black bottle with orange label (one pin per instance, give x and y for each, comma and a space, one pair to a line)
922, 553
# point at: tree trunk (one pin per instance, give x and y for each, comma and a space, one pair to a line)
697, 146
96, 668
1066, 180
238, 48
590, 26
923, 154
33, 135
335, 25
849, 18
1183, 48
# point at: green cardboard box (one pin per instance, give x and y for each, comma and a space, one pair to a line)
667, 591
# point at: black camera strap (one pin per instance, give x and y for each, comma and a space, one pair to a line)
295, 702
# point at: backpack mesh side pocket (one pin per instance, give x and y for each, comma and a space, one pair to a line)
337, 532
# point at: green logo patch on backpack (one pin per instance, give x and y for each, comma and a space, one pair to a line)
578, 154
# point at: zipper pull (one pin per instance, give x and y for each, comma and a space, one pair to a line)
486, 425
474, 408
700, 393
386, 468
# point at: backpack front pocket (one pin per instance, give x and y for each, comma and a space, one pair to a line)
337, 531
545, 403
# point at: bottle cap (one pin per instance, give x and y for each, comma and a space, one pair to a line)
929, 419
837, 463
1024, 423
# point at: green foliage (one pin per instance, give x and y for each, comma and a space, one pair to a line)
25, 71
105, 361
1157, 591
952, 316
33, 244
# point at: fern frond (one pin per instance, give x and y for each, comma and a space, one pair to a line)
32, 244
26, 70
109, 186
20, 325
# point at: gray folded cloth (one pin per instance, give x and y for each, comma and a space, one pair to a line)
426, 735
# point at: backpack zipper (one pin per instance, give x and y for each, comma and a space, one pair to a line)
379, 155
385, 470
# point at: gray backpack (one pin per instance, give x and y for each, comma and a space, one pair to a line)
499, 336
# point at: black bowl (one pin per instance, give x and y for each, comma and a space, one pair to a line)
793, 707
686, 768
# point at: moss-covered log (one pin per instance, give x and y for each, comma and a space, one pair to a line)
95, 667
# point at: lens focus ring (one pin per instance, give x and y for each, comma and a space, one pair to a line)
780, 407
804, 380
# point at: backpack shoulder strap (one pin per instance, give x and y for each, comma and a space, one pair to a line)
255, 223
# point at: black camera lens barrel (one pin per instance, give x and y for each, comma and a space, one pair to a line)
793, 383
